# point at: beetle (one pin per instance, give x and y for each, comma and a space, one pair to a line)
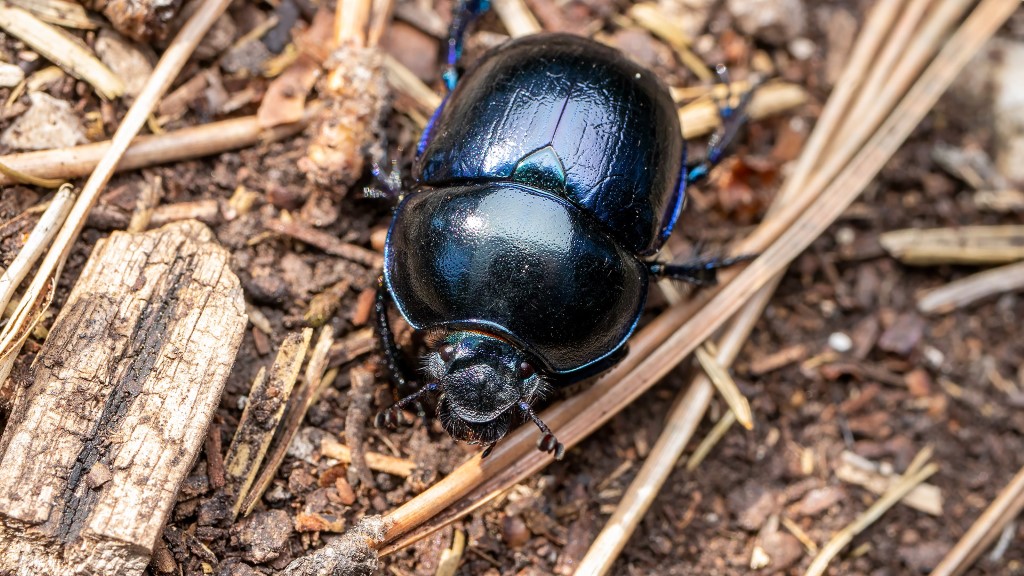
543, 187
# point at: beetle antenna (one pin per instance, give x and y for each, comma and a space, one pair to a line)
392, 415
547, 442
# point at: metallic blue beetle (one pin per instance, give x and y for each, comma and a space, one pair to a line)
548, 176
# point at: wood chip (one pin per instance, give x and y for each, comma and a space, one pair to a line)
285, 99
140, 20
128, 380
317, 378
10, 75
125, 59
264, 409
61, 49
48, 123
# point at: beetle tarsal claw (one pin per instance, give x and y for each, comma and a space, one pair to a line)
548, 443
389, 417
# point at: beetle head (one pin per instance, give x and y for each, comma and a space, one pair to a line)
483, 382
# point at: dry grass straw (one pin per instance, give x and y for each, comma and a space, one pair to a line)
61, 49
39, 293
59, 12
264, 410
653, 17
517, 18
701, 116
38, 240
676, 333
739, 407
1007, 506
970, 245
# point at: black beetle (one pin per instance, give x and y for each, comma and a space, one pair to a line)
548, 177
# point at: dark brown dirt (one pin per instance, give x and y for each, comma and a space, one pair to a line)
907, 381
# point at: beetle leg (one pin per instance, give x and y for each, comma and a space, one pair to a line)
387, 339
389, 183
464, 13
732, 119
392, 415
699, 271
548, 442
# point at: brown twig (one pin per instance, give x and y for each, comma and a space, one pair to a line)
966, 291
360, 397
326, 242
971, 245
354, 92
331, 448
145, 151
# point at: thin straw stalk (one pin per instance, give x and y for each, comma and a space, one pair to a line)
1007, 505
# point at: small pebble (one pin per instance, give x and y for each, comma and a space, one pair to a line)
264, 535
514, 531
840, 342
802, 48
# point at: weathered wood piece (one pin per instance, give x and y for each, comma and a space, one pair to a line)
118, 404
267, 400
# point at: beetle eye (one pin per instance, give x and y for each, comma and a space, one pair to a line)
526, 370
446, 352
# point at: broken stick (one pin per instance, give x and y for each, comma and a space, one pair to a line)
118, 404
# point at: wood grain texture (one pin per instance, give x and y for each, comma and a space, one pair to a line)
118, 404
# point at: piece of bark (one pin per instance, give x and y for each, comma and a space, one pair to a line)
142, 20
118, 403
266, 403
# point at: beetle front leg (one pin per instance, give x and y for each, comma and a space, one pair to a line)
547, 443
464, 13
700, 271
387, 338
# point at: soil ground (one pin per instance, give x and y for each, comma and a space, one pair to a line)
906, 381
